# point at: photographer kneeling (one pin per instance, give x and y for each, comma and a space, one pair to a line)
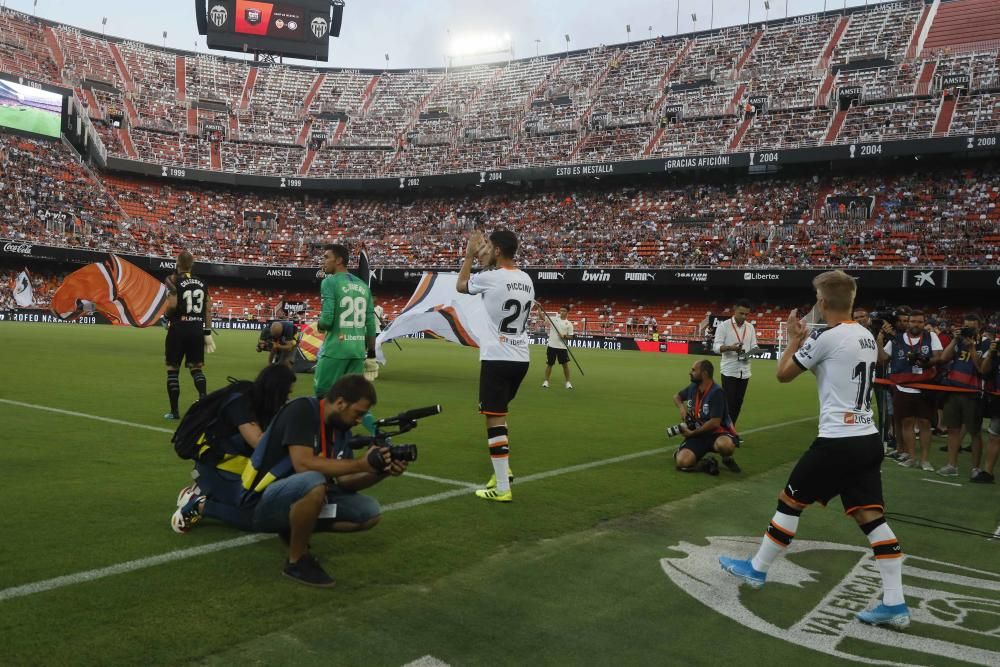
302, 477
279, 339
706, 424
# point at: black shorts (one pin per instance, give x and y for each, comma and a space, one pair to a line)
845, 467
554, 354
703, 444
185, 341
916, 406
498, 385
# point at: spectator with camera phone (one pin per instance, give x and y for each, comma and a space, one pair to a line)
963, 412
912, 355
303, 478
705, 424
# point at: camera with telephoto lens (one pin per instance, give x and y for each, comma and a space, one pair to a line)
881, 314
917, 359
968, 333
675, 430
403, 422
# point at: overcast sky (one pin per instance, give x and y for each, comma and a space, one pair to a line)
415, 34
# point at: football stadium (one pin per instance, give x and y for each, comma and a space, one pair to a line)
587, 351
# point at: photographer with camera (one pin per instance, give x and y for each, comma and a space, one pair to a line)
279, 339
963, 412
912, 355
706, 425
735, 339
303, 478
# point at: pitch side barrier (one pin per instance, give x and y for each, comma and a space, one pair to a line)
964, 146
918, 278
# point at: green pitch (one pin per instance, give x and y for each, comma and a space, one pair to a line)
606, 555
29, 119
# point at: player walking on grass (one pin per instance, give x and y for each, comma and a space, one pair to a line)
189, 333
508, 295
846, 458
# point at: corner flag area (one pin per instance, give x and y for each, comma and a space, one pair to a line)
607, 555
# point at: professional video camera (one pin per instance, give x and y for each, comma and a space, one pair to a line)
883, 313
402, 423
675, 430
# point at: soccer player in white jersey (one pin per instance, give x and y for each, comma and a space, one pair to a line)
508, 295
846, 458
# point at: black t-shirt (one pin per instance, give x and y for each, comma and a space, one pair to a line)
234, 414
298, 423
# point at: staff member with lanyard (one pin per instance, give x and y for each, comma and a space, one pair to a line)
734, 339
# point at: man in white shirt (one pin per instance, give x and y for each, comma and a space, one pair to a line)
560, 331
913, 356
508, 295
734, 339
846, 459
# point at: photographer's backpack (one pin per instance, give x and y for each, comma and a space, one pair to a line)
196, 437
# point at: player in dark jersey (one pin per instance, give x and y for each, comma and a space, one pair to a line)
189, 336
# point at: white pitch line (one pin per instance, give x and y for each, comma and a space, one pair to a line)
938, 481
442, 480
182, 554
160, 429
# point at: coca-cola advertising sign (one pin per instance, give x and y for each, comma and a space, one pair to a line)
17, 248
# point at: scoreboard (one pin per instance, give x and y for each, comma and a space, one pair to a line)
296, 29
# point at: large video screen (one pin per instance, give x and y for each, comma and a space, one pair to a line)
30, 110
297, 29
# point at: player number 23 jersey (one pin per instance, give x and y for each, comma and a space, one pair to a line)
508, 295
843, 358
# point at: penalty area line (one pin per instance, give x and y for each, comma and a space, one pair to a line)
182, 554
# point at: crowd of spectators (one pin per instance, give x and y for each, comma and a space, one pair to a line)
599, 104
932, 217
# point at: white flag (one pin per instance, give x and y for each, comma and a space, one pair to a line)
23, 294
438, 308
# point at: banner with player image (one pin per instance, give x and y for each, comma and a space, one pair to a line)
23, 294
115, 288
438, 309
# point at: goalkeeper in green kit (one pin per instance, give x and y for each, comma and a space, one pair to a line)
348, 320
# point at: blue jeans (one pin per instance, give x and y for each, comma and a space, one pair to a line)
272, 510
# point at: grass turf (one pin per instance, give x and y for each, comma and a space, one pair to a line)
567, 574
29, 119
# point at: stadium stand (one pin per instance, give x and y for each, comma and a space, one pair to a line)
600, 104
594, 105
745, 222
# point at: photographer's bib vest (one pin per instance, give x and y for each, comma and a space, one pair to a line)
271, 461
962, 372
902, 371
698, 406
